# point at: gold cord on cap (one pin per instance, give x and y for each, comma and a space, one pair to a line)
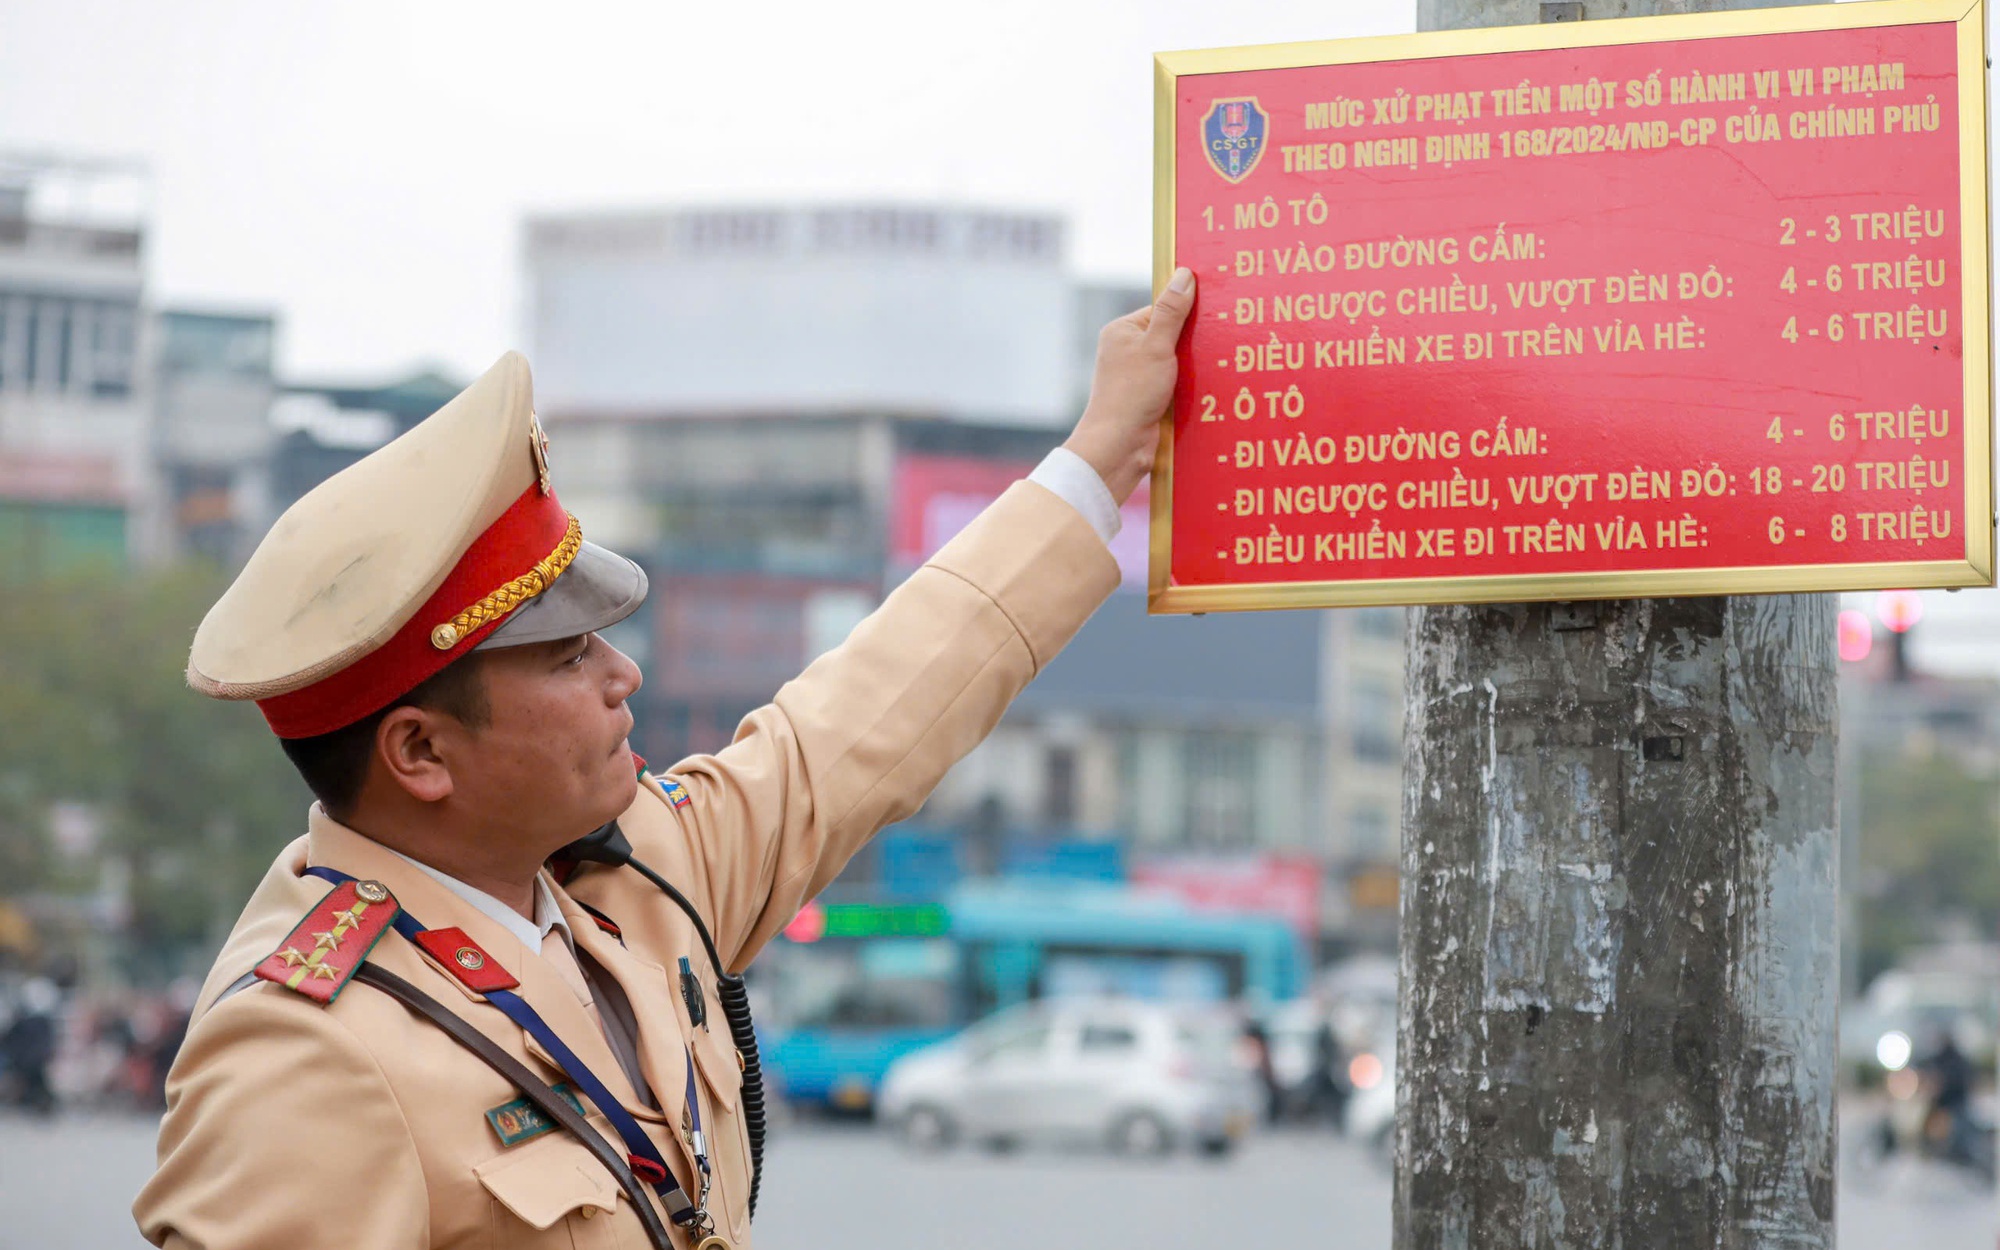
513, 594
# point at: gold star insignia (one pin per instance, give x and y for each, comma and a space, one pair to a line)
344, 922
326, 970
291, 957
329, 938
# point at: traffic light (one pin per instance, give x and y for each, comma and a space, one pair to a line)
1900, 610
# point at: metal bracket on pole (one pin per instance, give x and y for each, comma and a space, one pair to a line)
1565, 618
1663, 748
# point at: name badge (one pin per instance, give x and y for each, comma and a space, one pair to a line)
521, 1120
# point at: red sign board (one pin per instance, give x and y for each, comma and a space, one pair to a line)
1682, 305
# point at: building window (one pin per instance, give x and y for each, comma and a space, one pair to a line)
111, 350
31, 356
1370, 834
197, 343
1220, 771
1059, 797
53, 344
1372, 719
1383, 623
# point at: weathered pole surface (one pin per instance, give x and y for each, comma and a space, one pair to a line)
1620, 969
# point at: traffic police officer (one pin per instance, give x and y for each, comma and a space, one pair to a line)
416, 1034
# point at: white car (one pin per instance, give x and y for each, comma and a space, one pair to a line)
1139, 1078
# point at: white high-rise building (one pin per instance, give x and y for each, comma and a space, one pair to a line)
932, 311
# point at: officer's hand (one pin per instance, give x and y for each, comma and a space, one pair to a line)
1131, 388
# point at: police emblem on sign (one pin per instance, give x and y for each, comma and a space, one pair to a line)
1233, 135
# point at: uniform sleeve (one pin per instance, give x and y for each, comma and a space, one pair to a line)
281, 1131
861, 738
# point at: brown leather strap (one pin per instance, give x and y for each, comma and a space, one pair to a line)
536, 1089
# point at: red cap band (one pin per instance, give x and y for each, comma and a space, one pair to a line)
532, 527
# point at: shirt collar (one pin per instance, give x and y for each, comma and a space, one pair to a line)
548, 915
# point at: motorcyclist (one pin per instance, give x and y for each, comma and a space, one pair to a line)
1948, 1074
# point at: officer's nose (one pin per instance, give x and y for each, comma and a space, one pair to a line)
624, 678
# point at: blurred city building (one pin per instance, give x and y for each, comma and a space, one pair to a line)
782, 411
129, 435
320, 427
766, 311
78, 483
213, 386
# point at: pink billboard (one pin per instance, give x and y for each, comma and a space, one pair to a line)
1286, 886
935, 496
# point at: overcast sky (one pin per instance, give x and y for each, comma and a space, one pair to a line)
362, 167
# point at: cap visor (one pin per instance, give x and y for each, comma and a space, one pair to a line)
599, 588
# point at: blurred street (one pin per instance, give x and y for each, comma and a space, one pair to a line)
850, 1188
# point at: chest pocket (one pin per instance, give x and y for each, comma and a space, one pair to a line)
555, 1187
722, 1080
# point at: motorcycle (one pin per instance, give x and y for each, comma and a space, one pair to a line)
1910, 1129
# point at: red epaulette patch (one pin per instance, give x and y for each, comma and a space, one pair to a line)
456, 953
322, 954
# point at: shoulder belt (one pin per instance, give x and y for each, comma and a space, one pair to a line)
322, 954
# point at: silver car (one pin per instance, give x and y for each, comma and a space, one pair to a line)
1136, 1077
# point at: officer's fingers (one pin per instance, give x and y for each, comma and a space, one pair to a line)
1170, 312
1130, 326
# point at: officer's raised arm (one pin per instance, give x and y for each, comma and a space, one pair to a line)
863, 736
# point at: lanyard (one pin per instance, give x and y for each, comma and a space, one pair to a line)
644, 1156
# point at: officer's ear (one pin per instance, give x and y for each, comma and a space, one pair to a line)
407, 749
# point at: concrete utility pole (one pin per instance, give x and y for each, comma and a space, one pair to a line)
1620, 970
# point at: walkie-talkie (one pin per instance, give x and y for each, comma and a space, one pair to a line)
691, 995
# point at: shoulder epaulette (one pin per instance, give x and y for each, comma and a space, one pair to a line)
326, 948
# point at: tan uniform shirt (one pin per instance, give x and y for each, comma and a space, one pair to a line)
357, 1124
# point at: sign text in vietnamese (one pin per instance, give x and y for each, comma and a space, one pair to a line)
1684, 306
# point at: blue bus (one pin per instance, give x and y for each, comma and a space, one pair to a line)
849, 987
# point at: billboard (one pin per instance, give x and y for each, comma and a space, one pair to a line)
1286, 886
935, 496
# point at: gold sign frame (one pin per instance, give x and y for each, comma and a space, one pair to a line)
1977, 569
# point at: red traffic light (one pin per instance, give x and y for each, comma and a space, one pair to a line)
1899, 609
